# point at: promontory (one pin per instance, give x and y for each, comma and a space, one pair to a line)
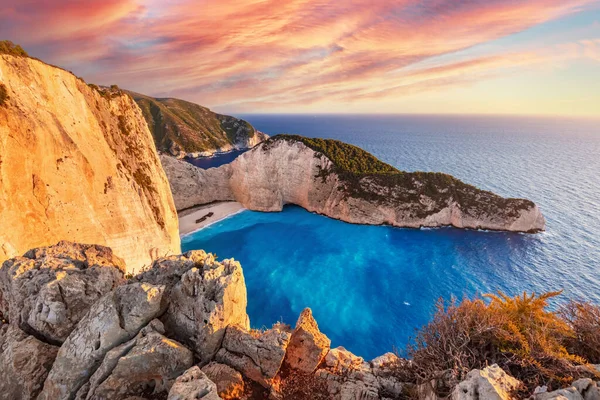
345, 182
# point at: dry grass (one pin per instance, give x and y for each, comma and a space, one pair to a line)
517, 333
584, 320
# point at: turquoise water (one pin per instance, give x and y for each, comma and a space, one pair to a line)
370, 287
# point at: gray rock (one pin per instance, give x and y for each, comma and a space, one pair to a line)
24, 364
490, 383
204, 296
581, 389
230, 383
149, 363
193, 385
114, 319
257, 357
48, 290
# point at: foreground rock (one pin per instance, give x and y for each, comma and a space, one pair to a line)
193, 385
204, 298
230, 383
114, 319
145, 366
490, 383
48, 290
258, 357
78, 164
308, 346
24, 364
582, 389
287, 170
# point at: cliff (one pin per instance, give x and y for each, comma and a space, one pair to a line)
182, 128
344, 182
78, 164
74, 328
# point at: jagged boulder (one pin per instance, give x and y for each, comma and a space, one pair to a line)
490, 383
48, 290
147, 364
230, 383
204, 298
308, 346
193, 385
24, 364
259, 356
348, 377
581, 389
383, 367
114, 319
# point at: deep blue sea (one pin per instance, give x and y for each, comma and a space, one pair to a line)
370, 287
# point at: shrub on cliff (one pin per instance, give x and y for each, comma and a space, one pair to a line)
517, 333
8, 47
584, 320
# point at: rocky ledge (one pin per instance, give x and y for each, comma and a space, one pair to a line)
344, 182
75, 328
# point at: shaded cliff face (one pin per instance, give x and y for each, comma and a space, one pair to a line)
180, 127
78, 165
357, 189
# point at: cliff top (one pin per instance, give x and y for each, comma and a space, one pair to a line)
365, 176
179, 125
8, 47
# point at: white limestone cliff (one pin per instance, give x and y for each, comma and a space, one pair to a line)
280, 172
78, 165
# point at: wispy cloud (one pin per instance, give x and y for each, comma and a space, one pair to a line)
249, 54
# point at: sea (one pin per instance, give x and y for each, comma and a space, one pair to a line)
372, 287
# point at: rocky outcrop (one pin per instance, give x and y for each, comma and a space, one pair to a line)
24, 364
490, 383
581, 389
181, 128
204, 298
287, 170
114, 319
308, 346
78, 164
193, 385
146, 365
259, 356
230, 383
48, 290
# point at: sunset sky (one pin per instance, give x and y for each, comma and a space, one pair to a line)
317, 56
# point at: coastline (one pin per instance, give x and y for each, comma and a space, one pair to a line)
192, 220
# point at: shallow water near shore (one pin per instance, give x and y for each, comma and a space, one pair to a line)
370, 287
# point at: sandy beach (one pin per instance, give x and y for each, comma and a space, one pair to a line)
197, 218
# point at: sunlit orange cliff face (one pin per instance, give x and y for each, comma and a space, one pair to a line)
408, 56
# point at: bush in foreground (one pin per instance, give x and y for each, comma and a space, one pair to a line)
584, 320
518, 333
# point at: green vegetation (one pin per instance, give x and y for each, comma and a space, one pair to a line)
346, 157
364, 176
3, 94
8, 47
519, 334
178, 125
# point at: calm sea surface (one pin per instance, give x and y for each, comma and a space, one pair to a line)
370, 287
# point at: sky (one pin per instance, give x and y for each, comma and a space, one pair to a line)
535, 57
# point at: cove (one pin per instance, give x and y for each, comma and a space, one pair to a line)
370, 287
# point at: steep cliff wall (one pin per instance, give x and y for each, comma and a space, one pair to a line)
182, 128
358, 189
78, 165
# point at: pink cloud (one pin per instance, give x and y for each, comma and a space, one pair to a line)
232, 52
